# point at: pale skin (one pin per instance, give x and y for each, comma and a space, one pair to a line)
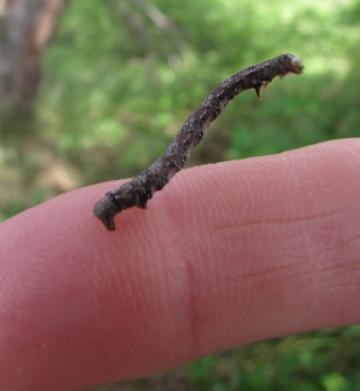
226, 254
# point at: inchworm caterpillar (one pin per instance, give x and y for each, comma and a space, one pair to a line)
140, 189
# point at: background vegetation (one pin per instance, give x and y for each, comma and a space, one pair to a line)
120, 77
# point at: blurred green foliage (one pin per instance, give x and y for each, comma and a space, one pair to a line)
120, 78
327, 360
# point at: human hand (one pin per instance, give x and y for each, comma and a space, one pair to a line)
226, 254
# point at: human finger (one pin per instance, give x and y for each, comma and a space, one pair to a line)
226, 254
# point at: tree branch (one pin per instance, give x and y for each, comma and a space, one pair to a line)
26, 26
140, 189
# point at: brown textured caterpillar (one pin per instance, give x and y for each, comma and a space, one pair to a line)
140, 189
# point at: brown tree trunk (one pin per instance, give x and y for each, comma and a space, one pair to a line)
25, 29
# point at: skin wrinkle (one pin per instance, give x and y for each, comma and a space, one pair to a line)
348, 240
286, 272
181, 253
293, 294
270, 271
332, 270
333, 235
279, 242
198, 264
309, 272
190, 270
246, 275
219, 230
246, 225
272, 221
216, 213
297, 185
317, 256
205, 247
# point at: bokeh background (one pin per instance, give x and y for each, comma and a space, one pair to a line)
94, 90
